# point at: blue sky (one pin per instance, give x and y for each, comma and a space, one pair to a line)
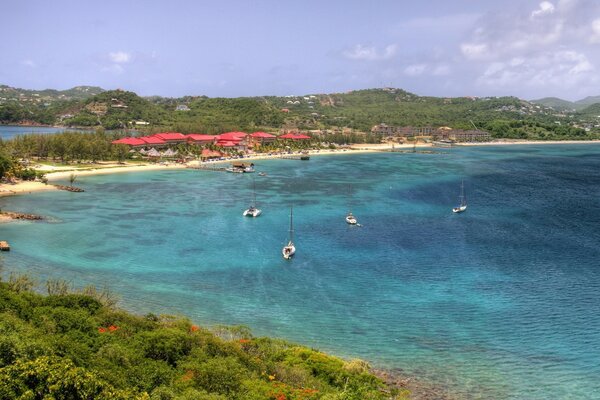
226, 48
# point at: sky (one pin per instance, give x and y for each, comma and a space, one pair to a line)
525, 48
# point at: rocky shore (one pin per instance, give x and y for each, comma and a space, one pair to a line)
419, 390
11, 215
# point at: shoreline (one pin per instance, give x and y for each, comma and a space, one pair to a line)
57, 173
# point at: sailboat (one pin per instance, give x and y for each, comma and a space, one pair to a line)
289, 250
252, 211
351, 219
463, 200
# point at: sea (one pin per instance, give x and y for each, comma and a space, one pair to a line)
499, 302
10, 131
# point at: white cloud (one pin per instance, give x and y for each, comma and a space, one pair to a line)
29, 63
595, 37
547, 47
564, 69
370, 53
119, 57
545, 8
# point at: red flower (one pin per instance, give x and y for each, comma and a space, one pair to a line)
101, 330
113, 328
244, 341
194, 328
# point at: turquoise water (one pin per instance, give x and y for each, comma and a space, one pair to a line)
502, 301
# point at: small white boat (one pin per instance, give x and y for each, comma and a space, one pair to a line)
289, 249
351, 219
463, 200
253, 211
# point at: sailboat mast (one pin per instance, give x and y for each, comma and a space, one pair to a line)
254, 190
291, 224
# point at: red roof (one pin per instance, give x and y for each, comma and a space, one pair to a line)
199, 137
211, 153
262, 135
294, 136
227, 143
234, 136
130, 141
152, 140
170, 136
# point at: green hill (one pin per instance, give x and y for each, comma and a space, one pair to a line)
592, 111
557, 104
79, 346
588, 101
114, 109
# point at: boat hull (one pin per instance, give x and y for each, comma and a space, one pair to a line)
288, 251
460, 209
252, 213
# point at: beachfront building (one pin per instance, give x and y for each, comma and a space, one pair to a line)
233, 140
208, 154
262, 137
258, 139
294, 136
200, 139
153, 141
171, 137
131, 142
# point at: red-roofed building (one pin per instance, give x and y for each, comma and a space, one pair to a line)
171, 137
294, 136
153, 141
208, 154
197, 138
239, 140
233, 136
130, 141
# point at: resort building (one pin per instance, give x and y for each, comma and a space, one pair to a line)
171, 137
200, 139
294, 136
262, 137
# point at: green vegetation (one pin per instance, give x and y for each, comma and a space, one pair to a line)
77, 345
355, 111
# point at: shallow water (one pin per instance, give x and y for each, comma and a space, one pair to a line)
501, 301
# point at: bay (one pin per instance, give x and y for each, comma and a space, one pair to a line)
501, 301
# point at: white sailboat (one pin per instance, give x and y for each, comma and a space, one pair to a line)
289, 250
252, 211
351, 219
463, 200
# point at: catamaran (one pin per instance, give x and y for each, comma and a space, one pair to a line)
252, 211
289, 250
463, 200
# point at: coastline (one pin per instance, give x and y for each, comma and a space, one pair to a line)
57, 173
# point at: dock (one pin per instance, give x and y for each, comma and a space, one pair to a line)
302, 157
205, 167
4, 246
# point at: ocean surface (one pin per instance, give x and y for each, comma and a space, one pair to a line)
10, 131
499, 302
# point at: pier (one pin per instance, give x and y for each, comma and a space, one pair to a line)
302, 157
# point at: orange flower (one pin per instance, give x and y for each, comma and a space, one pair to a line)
194, 328
244, 341
187, 376
113, 328
101, 330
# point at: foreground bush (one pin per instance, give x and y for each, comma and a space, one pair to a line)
75, 346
